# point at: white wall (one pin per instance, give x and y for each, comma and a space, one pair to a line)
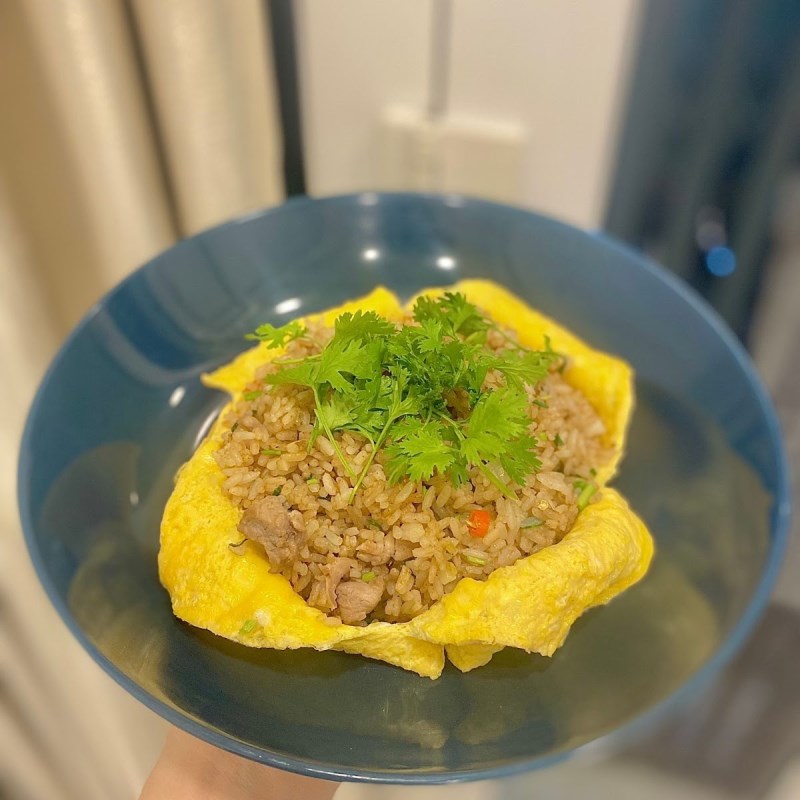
556, 70
356, 57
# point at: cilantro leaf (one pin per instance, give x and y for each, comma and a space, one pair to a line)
302, 374
454, 311
519, 367
458, 472
466, 319
497, 432
278, 337
341, 358
404, 427
335, 413
499, 417
420, 454
417, 393
338, 360
425, 308
429, 337
520, 459
363, 325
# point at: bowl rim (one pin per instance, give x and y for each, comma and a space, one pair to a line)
779, 522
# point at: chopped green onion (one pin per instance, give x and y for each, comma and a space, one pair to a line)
252, 395
593, 472
558, 441
312, 479
477, 561
249, 626
276, 491
367, 576
541, 403
234, 426
373, 523
531, 522
268, 451
562, 358
586, 495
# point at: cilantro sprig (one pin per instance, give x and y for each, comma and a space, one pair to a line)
416, 392
278, 337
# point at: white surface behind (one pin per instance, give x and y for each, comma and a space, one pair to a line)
356, 57
557, 70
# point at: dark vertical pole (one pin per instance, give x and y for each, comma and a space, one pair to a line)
284, 48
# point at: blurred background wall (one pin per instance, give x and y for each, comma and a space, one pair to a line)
518, 101
127, 124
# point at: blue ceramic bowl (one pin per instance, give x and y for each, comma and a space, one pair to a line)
122, 407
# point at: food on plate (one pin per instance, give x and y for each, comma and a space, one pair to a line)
403, 481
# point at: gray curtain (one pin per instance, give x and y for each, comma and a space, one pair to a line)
125, 126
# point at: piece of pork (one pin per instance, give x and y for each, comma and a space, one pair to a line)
355, 599
335, 573
280, 532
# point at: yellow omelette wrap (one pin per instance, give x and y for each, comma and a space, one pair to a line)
529, 605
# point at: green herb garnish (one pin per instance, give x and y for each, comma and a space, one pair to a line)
476, 561
531, 522
586, 491
249, 396
234, 426
416, 392
373, 523
558, 441
367, 576
312, 479
276, 491
268, 451
541, 403
278, 337
248, 627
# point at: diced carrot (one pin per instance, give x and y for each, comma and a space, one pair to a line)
479, 521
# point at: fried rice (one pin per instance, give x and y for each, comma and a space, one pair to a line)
411, 538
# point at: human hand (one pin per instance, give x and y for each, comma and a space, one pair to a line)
190, 769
